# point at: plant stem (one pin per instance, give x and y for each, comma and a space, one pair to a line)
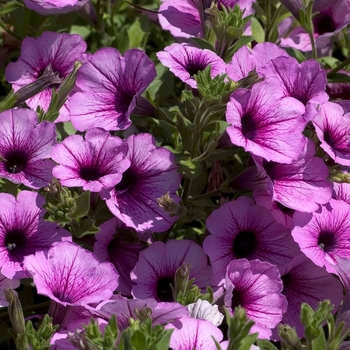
338, 68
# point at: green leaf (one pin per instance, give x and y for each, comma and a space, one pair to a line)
257, 30
203, 44
137, 32
265, 345
242, 41
339, 78
82, 206
9, 7
191, 169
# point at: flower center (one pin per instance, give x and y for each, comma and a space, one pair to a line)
128, 182
248, 126
195, 66
287, 281
237, 299
15, 240
89, 173
164, 291
324, 23
244, 244
326, 241
16, 161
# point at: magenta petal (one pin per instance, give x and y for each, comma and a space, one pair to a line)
265, 124
71, 275
326, 236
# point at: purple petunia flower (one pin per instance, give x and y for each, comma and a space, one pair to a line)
305, 81
304, 282
190, 333
71, 276
94, 163
280, 213
241, 229
25, 146
256, 286
155, 270
110, 86
246, 59
266, 124
51, 51
333, 130
124, 309
117, 244
189, 15
53, 7
185, 61
151, 175
326, 236
302, 185
23, 231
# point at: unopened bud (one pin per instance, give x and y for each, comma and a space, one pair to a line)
15, 312
288, 336
143, 313
181, 279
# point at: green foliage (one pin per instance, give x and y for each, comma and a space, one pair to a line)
140, 335
239, 327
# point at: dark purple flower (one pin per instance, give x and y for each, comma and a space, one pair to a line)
25, 146
240, 229
185, 61
94, 163
23, 231
151, 175
304, 282
56, 52
109, 87
157, 265
117, 243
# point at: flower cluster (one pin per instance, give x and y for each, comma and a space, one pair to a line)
122, 199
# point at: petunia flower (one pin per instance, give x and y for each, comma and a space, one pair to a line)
118, 244
53, 7
71, 276
23, 231
110, 86
265, 123
305, 81
302, 185
332, 126
304, 282
125, 309
190, 16
25, 146
329, 17
185, 61
240, 229
280, 213
326, 236
151, 175
190, 333
245, 59
55, 52
157, 265
256, 286
94, 163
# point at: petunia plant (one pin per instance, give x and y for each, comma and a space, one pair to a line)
174, 174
